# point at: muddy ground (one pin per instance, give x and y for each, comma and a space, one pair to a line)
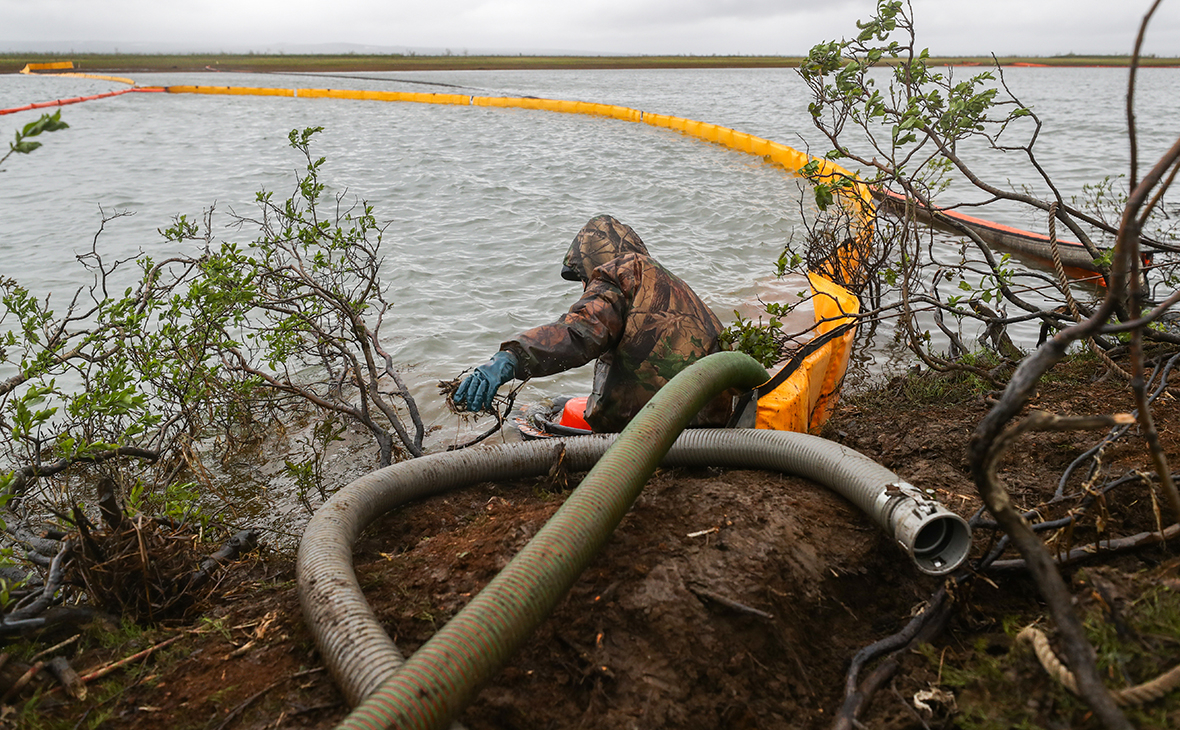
727, 599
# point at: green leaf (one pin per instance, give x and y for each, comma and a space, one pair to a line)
47, 123
823, 196
24, 148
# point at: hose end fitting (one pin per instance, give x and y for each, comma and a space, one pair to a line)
936, 539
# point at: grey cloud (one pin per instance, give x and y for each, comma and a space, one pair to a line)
947, 27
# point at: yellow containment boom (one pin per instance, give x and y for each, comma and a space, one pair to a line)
66, 66
229, 90
803, 393
53, 66
779, 154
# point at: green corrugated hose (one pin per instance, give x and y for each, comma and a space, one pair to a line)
445, 673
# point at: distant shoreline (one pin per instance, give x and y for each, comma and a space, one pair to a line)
253, 63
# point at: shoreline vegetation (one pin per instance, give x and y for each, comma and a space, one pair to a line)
259, 63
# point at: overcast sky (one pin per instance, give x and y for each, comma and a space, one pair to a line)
702, 27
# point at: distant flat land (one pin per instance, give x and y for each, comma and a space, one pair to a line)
128, 63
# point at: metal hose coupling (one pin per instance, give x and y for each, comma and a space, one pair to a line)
936, 539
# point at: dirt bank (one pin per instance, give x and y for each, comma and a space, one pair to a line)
727, 599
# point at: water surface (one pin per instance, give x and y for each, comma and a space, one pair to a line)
482, 203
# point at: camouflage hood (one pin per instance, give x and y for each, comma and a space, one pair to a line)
641, 322
600, 241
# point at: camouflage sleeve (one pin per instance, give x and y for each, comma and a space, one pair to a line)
592, 327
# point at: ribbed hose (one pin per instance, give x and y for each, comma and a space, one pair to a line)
444, 674
358, 652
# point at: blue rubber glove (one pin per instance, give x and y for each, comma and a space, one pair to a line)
476, 391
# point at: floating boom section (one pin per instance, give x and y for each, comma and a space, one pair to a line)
78, 99
803, 393
51, 66
65, 68
1074, 256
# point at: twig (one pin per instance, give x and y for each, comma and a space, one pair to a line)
729, 603
20, 683
60, 668
855, 702
82, 719
1147, 425
46, 470
905, 704
54, 648
104, 671
1098, 548
500, 414
233, 714
40, 545
52, 583
243, 541
317, 708
986, 449
403, 391
922, 627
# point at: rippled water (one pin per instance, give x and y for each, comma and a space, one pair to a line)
482, 203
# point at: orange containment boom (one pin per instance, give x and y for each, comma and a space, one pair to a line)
77, 99
1075, 258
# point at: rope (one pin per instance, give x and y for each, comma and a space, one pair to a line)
1073, 305
1140, 694
1061, 278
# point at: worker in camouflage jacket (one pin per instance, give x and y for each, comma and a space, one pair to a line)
642, 323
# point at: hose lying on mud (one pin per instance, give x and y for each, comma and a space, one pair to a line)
443, 675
